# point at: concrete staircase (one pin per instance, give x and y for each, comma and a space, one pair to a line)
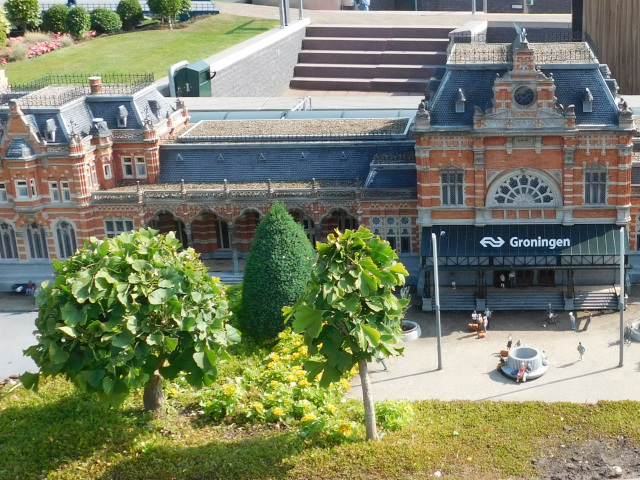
456, 301
528, 301
369, 58
595, 301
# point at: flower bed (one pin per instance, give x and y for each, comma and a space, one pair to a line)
34, 44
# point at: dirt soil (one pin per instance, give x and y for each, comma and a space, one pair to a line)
593, 460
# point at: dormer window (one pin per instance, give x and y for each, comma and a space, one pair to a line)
153, 105
460, 101
123, 113
587, 101
50, 130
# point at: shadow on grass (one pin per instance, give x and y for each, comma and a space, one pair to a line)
248, 458
245, 27
38, 439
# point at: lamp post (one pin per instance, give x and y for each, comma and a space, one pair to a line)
621, 297
437, 293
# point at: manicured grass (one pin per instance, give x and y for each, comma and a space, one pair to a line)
60, 434
143, 51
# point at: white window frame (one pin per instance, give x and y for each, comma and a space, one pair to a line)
22, 189
127, 164
33, 188
65, 190
395, 229
452, 183
595, 187
116, 226
54, 192
4, 196
141, 167
37, 241
106, 169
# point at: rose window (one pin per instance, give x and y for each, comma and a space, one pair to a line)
524, 189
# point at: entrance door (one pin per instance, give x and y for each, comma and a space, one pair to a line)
546, 277
524, 277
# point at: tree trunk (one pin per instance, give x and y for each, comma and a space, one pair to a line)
153, 397
367, 399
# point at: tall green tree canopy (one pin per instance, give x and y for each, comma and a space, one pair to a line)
123, 311
276, 273
349, 313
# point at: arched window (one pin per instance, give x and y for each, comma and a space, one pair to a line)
8, 246
523, 189
307, 223
66, 239
37, 241
222, 234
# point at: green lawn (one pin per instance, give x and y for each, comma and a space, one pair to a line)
143, 51
62, 434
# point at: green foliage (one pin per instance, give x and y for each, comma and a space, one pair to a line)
169, 10
122, 308
105, 21
276, 273
130, 13
392, 415
273, 389
78, 22
55, 19
23, 13
349, 312
5, 26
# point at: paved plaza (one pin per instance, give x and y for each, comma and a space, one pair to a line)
469, 364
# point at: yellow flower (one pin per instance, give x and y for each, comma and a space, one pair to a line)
304, 382
295, 355
272, 365
303, 350
274, 356
296, 367
282, 335
229, 389
291, 377
278, 412
271, 398
259, 407
300, 373
331, 408
308, 418
345, 430
344, 383
274, 383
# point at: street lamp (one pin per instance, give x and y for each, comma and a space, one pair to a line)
621, 297
437, 293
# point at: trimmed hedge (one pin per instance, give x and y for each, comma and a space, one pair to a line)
54, 20
130, 12
276, 274
105, 21
78, 22
23, 13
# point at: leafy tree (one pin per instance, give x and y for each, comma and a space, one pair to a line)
125, 312
104, 20
78, 22
349, 313
55, 19
23, 13
169, 10
276, 273
5, 26
130, 13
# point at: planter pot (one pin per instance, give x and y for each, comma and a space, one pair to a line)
411, 330
473, 327
635, 330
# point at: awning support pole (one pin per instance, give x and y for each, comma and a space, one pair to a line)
621, 303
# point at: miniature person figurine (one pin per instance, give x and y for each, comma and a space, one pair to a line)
30, 288
509, 342
512, 278
581, 349
572, 319
522, 373
502, 280
518, 343
486, 323
453, 282
474, 316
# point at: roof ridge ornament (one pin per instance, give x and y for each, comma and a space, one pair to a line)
521, 39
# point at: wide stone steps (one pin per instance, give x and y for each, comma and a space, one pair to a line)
456, 302
369, 58
595, 301
525, 300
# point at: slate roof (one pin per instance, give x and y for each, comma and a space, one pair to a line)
395, 178
143, 106
477, 85
108, 109
20, 148
280, 163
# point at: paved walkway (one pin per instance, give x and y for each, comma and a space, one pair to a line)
470, 364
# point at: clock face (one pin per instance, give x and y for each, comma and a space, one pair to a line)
523, 96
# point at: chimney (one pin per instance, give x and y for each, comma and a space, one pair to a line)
95, 83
